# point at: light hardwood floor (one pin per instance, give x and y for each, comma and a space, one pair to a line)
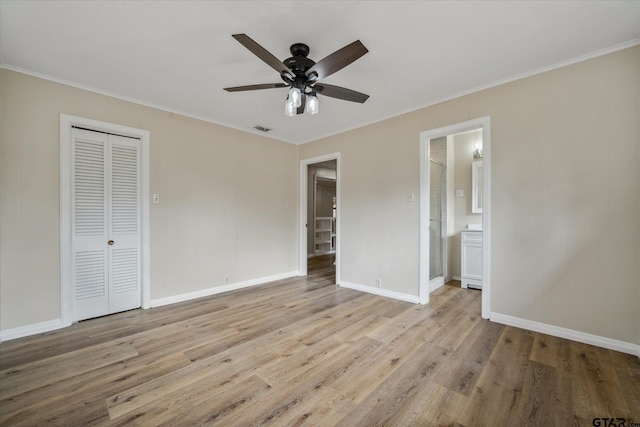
303, 351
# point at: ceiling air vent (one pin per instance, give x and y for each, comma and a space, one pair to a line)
261, 128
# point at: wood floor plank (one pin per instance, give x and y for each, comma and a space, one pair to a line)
305, 352
549, 350
404, 384
302, 361
539, 387
338, 323
218, 407
499, 387
628, 372
218, 370
207, 403
29, 376
96, 331
280, 320
457, 330
434, 405
286, 401
87, 392
325, 408
373, 371
604, 395
467, 362
390, 330
164, 341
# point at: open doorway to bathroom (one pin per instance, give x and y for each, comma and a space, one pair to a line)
454, 208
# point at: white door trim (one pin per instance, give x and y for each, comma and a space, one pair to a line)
66, 124
302, 228
483, 123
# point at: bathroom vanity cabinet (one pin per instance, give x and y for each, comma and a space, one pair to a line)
471, 259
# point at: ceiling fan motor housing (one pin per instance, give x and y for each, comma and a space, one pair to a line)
299, 49
299, 64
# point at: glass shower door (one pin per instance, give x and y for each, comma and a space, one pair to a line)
437, 194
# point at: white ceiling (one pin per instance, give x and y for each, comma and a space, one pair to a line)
178, 55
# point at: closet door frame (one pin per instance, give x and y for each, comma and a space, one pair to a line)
67, 122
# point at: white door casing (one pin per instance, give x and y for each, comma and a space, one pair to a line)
104, 197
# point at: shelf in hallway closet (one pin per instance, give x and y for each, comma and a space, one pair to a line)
325, 235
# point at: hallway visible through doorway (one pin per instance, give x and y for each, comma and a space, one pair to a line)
320, 214
322, 268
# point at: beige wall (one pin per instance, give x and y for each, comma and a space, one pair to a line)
565, 228
222, 193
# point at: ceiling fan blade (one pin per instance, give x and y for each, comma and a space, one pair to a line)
337, 60
340, 93
263, 54
255, 87
302, 104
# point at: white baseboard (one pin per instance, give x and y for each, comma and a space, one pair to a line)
33, 329
381, 292
52, 325
456, 278
570, 334
220, 289
436, 283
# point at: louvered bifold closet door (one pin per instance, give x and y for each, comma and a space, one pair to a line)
89, 224
124, 224
106, 223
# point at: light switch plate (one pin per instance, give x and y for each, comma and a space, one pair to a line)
156, 198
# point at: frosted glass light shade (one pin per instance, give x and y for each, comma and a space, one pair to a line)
312, 104
290, 108
295, 96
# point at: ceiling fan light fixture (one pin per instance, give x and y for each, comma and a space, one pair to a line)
300, 74
295, 96
290, 108
312, 104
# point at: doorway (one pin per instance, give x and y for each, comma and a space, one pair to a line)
104, 229
319, 246
431, 243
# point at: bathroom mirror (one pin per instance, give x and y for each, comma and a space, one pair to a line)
476, 186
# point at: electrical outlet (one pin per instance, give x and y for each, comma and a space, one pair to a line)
226, 280
379, 282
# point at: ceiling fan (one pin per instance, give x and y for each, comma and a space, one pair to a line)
301, 74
